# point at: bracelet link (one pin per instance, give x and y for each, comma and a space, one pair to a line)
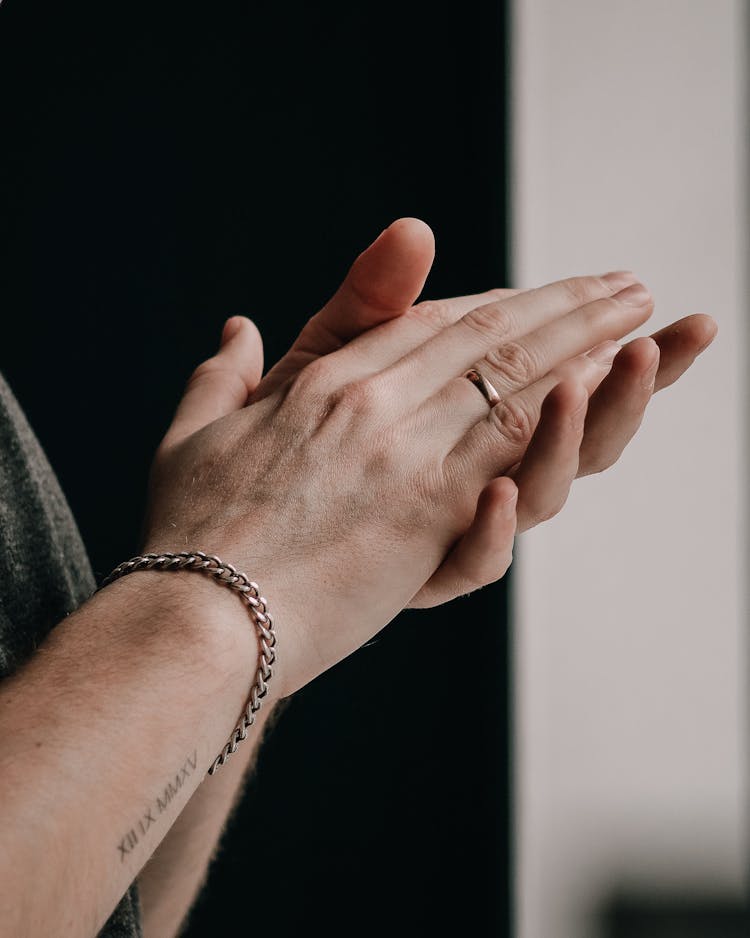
249, 592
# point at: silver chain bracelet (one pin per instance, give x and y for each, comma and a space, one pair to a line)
249, 592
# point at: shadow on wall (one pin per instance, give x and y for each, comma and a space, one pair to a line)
639, 915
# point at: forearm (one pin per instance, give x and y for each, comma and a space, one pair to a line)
171, 880
105, 734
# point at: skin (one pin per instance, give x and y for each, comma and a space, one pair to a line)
370, 295
363, 459
383, 284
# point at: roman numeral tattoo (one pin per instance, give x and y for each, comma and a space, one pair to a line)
150, 816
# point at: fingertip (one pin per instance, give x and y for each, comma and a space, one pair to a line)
501, 494
236, 325
415, 229
411, 238
604, 353
506, 488
251, 329
565, 408
567, 397
390, 274
617, 279
646, 345
231, 327
654, 353
242, 349
709, 329
639, 355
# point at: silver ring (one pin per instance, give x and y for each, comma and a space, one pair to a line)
487, 390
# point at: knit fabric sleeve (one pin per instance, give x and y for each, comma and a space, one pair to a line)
45, 573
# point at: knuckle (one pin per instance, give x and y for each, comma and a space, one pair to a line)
428, 599
162, 453
367, 396
466, 586
382, 458
318, 374
508, 560
464, 582
598, 314
597, 456
306, 401
547, 512
472, 580
313, 383
513, 362
513, 420
582, 290
499, 294
503, 566
433, 313
493, 321
597, 461
489, 574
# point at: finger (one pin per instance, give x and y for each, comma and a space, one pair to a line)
541, 356
382, 283
680, 344
384, 280
388, 343
550, 463
483, 554
571, 327
617, 407
497, 442
220, 384
516, 364
437, 314
429, 322
380, 347
521, 362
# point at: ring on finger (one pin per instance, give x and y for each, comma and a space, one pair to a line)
487, 390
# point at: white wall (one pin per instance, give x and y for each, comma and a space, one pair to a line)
631, 657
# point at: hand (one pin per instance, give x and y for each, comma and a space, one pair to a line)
384, 282
559, 453
381, 284
342, 489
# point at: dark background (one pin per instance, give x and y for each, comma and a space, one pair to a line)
164, 166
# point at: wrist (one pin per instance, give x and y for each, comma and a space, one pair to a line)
229, 615
199, 602
186, 613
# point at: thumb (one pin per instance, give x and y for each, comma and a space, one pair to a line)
221, 384
383, 282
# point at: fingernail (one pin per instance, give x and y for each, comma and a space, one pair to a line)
634, 295
649, 377
508, 508
619, 278
231, 328
605, 353
578, 417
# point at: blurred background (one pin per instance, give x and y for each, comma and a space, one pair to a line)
630, 139
164, 166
